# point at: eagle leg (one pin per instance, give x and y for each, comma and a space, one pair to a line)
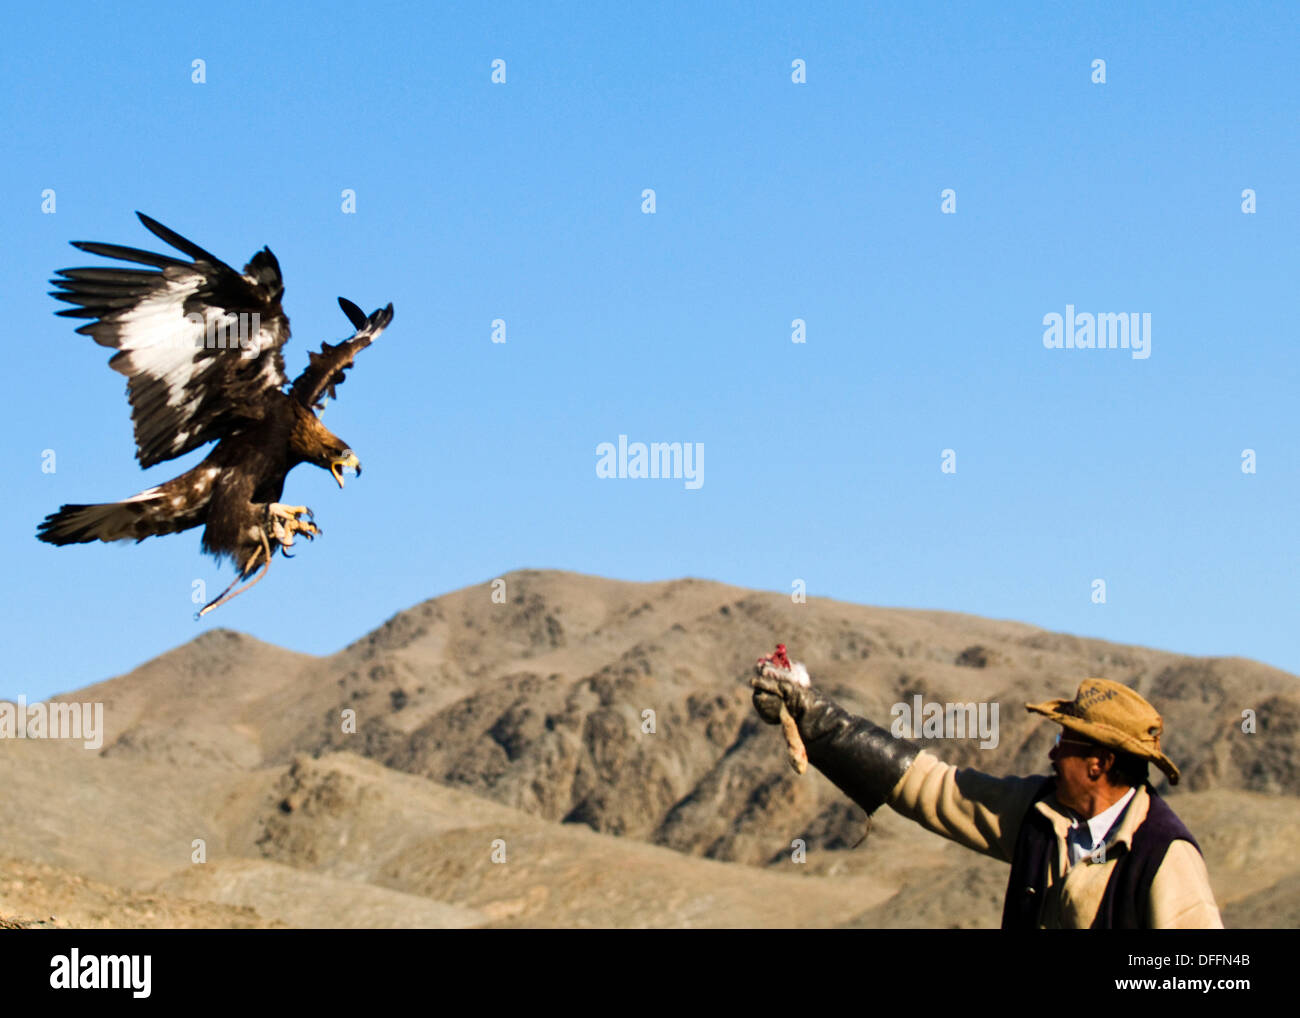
262, 553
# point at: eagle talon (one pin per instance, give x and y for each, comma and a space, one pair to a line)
287, 512
285, 522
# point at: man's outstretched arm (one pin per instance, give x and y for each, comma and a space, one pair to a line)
873, 767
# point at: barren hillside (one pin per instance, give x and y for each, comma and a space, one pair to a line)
596, 738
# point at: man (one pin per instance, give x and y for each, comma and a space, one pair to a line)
1092, 847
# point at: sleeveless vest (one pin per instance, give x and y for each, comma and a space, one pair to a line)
1123, 905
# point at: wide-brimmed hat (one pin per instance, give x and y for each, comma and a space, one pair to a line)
1113, 715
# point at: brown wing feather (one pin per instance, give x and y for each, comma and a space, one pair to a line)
185, 389
325, 370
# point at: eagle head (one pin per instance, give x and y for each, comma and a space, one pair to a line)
316, 444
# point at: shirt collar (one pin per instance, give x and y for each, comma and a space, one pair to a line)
1064, 821
1100, 825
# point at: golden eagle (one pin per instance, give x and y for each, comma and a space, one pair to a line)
200, 345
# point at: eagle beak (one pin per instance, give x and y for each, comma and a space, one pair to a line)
338, 465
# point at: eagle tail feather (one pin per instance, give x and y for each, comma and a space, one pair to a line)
148, 514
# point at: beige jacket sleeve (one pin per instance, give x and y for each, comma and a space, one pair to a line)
1181, 897
973, 809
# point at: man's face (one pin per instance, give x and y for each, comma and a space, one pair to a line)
1075, 761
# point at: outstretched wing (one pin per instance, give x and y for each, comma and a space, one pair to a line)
326, 369
198, 342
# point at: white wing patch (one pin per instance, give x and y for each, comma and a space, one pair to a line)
158, 341
199, 342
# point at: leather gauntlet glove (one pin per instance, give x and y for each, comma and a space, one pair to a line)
863, 760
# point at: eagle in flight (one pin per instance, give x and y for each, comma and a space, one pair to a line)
200, 345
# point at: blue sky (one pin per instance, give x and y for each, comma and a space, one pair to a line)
774, 201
